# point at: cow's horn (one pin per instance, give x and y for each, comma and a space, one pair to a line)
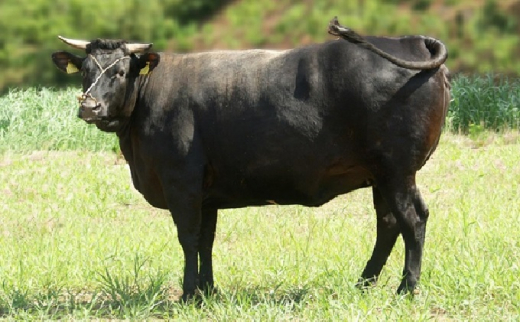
76, 43
138, 48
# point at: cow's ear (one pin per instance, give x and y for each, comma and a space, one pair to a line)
67, 62
147, 62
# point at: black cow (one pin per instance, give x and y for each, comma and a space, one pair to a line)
230, 129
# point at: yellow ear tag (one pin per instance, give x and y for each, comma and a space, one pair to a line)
71, 68
145, 70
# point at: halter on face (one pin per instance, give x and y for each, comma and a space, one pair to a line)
82, 97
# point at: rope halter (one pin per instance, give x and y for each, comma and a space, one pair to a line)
82, 97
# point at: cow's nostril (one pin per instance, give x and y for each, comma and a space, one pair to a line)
97, 108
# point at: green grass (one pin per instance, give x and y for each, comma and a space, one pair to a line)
77, 242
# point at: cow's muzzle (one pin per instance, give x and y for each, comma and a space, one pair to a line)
89, 110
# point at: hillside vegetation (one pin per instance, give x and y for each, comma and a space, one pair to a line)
482, 35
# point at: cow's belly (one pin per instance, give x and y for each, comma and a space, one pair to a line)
285, 176
246, 193
310, 189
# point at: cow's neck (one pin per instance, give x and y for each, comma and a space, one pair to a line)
127, 131
131, 98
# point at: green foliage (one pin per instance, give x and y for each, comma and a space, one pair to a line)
422, 4
493, 17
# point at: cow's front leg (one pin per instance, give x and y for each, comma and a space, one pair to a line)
188, 230
189, 243
206, 238
185, 204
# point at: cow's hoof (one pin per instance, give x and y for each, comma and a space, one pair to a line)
407, 287
199, 295
189, 297
209, 291
366, 283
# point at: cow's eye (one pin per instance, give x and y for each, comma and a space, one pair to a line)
83, 74
121, 73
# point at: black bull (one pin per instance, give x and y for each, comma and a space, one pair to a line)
230, 129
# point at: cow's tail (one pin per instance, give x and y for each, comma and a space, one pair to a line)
436, 47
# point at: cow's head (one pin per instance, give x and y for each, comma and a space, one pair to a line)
110, 73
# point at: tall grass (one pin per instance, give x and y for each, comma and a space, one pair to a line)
491, 102
46, 119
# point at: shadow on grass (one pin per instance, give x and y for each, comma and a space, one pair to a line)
155, 299
56, 304
255, 295
139, 295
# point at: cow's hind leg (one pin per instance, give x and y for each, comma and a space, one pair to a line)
387, 233
206, 238
411, 213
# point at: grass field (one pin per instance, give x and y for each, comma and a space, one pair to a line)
78, 243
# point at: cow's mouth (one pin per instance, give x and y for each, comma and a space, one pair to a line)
95, 120
106, 124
